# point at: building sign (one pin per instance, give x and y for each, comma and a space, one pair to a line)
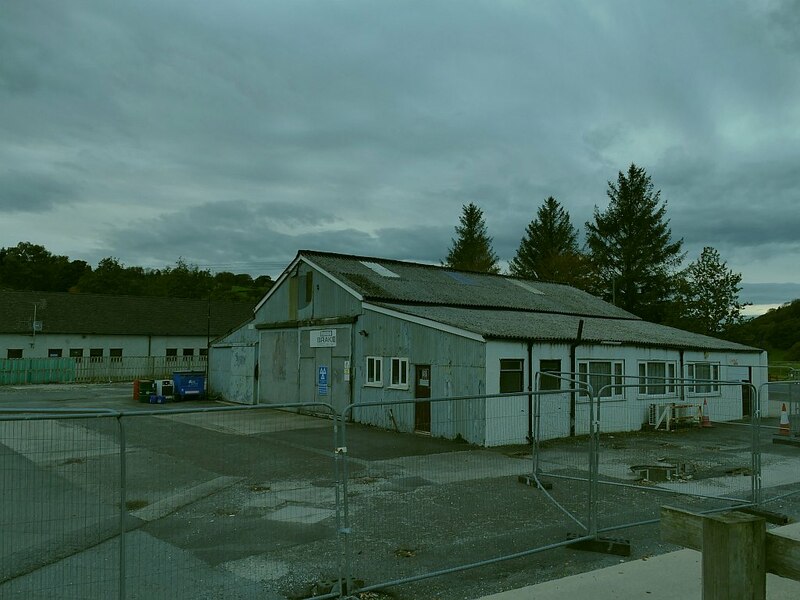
322, 380
323, 338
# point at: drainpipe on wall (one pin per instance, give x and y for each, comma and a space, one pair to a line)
572, 351
530, 390
680, 377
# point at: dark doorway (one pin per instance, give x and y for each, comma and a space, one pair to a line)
422, 389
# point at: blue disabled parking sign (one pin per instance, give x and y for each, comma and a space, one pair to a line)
322, 380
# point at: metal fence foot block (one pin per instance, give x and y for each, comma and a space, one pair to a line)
788, 441
603, 545
535, 482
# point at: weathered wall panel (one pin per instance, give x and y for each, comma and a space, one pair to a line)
278, 367
457, 369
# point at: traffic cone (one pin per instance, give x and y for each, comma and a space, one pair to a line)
704, 420
784, 428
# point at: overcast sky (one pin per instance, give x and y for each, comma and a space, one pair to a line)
235, 133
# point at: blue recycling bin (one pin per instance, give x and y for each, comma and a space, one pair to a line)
189, 384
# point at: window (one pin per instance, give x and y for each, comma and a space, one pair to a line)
601, 375
374, 371
76, 353
656, 378
706, 372
399, 377
14, 353
548, 382
188, 353
511, 376
203, 353
309, 287
115, 354
54, 353
95, 355
172, 354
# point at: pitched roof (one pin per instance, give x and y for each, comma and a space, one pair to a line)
499, 306
548, 327
382, 280
117, 315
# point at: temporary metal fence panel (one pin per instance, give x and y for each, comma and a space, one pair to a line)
233, 502
223, 502
422, 502
698, 453
59, 505
780, 445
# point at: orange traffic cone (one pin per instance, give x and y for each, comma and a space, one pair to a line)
704, 420
784, 428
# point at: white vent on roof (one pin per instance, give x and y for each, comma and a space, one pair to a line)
526, 286
379, 269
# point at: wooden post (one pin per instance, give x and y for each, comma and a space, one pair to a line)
737, 550
734, 557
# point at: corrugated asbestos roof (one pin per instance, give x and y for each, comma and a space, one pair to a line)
117, 315
507, 324
429, 284
497, 306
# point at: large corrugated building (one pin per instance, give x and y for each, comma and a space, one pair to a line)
345, 330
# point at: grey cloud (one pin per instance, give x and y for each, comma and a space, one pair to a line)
26, 192
261, 128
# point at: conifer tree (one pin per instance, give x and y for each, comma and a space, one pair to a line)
631, 248
549, 249
472, 249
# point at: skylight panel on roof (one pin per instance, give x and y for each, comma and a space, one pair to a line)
461, 278
526, 286
379, 269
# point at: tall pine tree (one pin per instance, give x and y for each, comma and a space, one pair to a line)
631, 247
472, 249
549, 249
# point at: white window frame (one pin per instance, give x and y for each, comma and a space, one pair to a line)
617, 376
706, 389
373, 372
667, 381
401, 383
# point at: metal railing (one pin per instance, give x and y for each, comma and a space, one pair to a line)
24, 371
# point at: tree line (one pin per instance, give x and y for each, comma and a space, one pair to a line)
29, 266
629, 258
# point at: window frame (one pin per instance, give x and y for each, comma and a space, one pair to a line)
667, 381
55, 352
115, 354
545, 380
517, 371
370, 378
171, 355
96, 355
714, 374
14, 353
616, 375
402, 372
